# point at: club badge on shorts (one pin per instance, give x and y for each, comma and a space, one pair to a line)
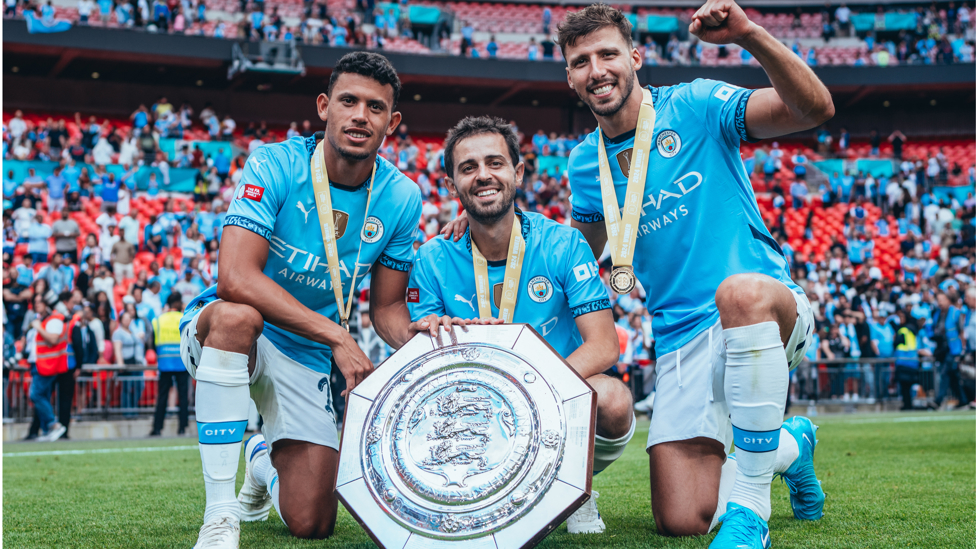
622, 280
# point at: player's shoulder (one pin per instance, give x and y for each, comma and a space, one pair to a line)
550, 231
698, 90
584, 152
395, 182
281, 159
438, 249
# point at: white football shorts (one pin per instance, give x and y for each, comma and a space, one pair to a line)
690, 383
294, 400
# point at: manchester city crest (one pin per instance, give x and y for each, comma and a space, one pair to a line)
668, 143
540, 289
372, 229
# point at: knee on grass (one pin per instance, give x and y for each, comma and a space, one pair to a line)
310, 524
687, 524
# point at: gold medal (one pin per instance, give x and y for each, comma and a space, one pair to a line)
622, 230
622, 280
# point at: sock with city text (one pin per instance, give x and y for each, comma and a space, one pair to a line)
756, 383
221, 408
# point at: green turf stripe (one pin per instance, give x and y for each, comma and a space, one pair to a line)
101, 451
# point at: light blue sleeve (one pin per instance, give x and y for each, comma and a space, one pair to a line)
586, 200
258, 197
399, 252
423, 292
581, 282
722, 109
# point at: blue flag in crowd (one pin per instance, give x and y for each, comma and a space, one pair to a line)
37, 25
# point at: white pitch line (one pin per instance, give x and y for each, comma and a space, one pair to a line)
101, 451
914, 419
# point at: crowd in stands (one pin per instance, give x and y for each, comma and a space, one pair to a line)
886, 262
920, 34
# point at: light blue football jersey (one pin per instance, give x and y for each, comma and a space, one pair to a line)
699, 220
560, 281
275, 199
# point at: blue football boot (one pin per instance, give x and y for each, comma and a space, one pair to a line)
741, 529
806, 495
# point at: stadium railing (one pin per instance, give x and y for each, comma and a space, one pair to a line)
102, 392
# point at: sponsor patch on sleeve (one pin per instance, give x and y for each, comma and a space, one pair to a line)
253, 192
413, 295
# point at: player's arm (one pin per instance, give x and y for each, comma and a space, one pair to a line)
242, 281
797, 101
600, 349
388, 310
595, 235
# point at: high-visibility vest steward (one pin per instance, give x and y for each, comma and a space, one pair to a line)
167, 330
53, 359
906, 353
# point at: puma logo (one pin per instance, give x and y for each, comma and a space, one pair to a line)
254, 160
301, 207
470, 302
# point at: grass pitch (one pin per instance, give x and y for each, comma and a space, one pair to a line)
891, 481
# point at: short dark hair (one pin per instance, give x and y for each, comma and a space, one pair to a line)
369, 64
590, 19
175, 300
477, 125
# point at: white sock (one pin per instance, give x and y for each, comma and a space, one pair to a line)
607, 451
222, 400
756, 383
271, 481
729, 469
787, 453
259, 470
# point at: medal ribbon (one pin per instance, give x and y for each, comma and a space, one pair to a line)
323, 199
510, 285
623, 238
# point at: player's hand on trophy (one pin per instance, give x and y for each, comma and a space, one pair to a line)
456, 227
721, 22
352, 362
432, 323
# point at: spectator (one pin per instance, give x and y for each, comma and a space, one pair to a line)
126, 346
38, 234
799, 192
59, 276
947, 331
16, 300
122, 254
897, 140
66, 232
49, 351
171, 369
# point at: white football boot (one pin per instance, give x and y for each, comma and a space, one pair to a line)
586, 519
255, 502
220, 533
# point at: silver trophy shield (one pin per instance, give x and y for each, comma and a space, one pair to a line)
486, 442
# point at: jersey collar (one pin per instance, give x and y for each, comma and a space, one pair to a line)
630, 134
526, 226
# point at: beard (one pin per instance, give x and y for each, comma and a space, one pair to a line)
613, 108
345, 153
488, 214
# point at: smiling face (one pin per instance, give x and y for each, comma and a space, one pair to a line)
485, 178
602, 69
359, 114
